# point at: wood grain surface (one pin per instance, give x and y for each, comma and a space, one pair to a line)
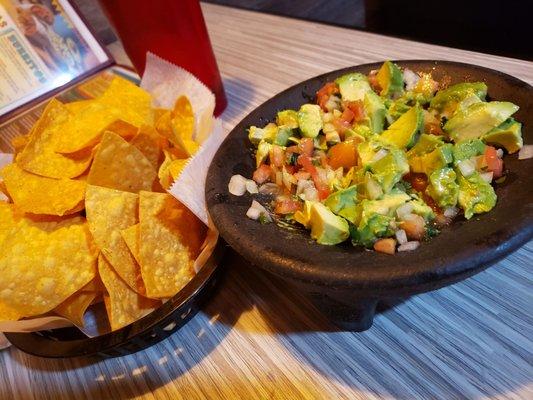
258, 339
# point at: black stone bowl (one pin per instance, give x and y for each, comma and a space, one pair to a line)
347, 282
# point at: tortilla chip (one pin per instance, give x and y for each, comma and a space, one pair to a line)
95, 285
122, 100
148, 142
108, 212
75, 306
4, 195
43, 262
40, 195
182, 117
76, 107
123, 305
8, 314
169, 241
122, 128
131, 237
165, 178
119, 165
134, 103
39, 156
176, 167
19, 142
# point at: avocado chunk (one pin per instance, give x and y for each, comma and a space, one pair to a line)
443, 187
263, 150
421, 208
370, 188
476, 195
353, 86
467, 149
389, 170
267, 134
375, 110
446, 101
288, 118
375, 218
478, 119
507, 135
326, 227
436, 159
343, 203
367, 150
282, 135
390, 79
403, 132
304, 216
310, 120
426, 144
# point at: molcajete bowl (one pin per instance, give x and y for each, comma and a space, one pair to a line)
346, 282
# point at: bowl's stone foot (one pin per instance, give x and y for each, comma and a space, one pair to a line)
348, 313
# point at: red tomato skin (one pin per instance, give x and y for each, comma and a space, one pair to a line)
321, 187
494, 163
287, 206
357, 108
262, 174
306, 146
325, 92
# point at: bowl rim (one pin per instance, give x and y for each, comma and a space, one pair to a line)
459, 264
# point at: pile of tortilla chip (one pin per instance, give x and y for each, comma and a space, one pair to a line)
88, 218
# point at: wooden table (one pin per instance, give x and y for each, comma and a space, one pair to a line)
259, 339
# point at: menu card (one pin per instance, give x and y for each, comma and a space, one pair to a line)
44, 46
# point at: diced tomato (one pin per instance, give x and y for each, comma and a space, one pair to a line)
415, 227
323, 158
302, 175
387, 246
286, 206
343, 154
325, 92
357, 108
291, 169
341, 125
277, 156
306, 146
293, 149
321, 187
494, 163
373, 80
419, 182
262, 174
347, 115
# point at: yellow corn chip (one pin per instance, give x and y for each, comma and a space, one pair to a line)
191, 147
122, 100
39, 156
134, 103
176, 167
76, 107
108, 212
148, 142
3, 190
19, 142
165, 178
40, 195
8, 314
123, 305
43, 262
131, 237
75, 306
122, 128
182, 117
95, 285
170, 239
119, 165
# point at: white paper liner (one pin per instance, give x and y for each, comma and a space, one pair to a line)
166, 82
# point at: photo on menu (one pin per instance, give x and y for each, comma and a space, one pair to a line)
43, 46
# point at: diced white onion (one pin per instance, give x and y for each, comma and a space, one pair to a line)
379, 155
410, 78
327, 117
487, 176
256, 210
499, 153
269, 188
251, 186
467, 167
526, 152
409, 246
403, 210
302, 185
451, 212
311, 194
333, 103
328, 127
401, 236
237, 185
